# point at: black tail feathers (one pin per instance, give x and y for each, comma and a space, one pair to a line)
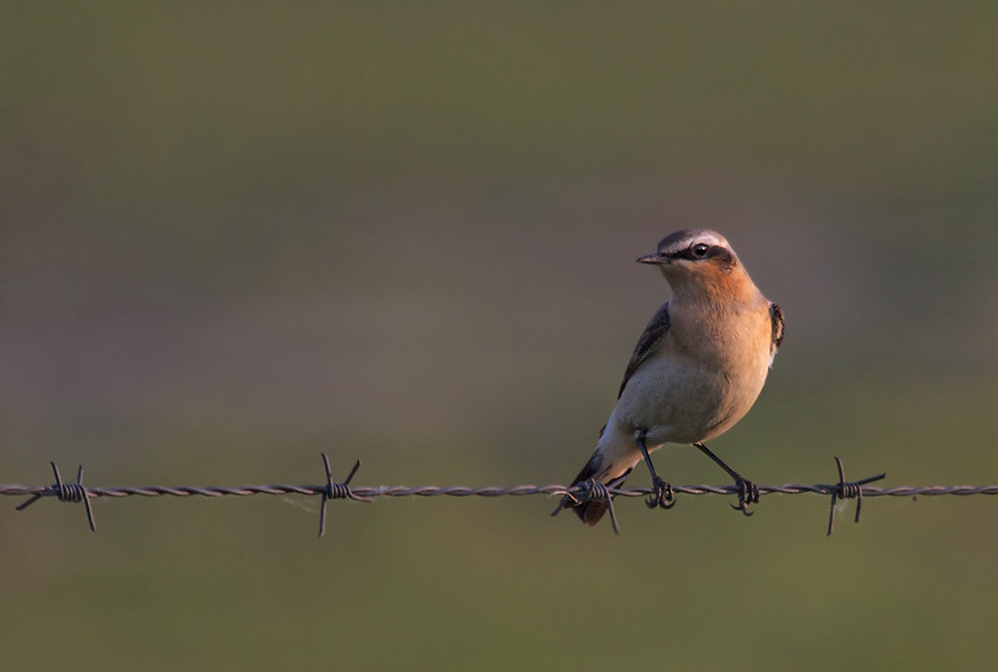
589, 512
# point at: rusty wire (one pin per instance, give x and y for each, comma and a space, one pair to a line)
77, 492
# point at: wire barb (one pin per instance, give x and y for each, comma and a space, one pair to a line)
853, 490
66, 492
593, 491
336, 491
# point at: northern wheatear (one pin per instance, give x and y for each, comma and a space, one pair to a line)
696, 370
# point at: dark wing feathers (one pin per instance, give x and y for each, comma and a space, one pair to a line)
776, 315
652, 335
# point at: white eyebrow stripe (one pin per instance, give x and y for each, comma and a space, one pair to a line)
704, 237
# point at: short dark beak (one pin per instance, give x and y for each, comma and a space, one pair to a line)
656, 259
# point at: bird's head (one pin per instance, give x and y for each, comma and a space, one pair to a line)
698, 259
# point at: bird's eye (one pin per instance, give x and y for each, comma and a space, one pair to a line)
700, 251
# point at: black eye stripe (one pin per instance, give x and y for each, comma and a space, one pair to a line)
688, 253
713, 252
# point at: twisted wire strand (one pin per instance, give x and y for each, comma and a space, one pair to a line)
15, 490
587, 491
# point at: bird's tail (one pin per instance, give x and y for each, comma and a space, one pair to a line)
590, 511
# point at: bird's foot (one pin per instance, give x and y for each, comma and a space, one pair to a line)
748, 493
663, 497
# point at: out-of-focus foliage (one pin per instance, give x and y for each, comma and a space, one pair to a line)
234, 235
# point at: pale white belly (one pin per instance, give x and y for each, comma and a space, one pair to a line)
679, 400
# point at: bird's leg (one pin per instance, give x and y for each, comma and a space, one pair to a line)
663, 491
748, 492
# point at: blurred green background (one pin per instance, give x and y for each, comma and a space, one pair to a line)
235, 235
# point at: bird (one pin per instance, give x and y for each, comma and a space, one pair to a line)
697, 369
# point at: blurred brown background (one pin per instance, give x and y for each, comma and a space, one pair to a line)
235, 235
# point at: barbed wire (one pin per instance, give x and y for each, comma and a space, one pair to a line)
583, 492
